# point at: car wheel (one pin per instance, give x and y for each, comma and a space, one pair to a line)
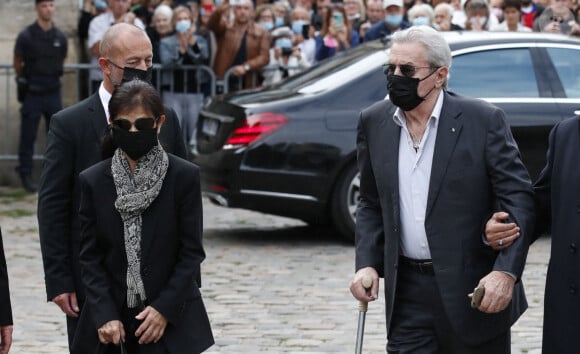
345, 200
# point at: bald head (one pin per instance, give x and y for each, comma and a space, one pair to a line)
119, 33
123, 46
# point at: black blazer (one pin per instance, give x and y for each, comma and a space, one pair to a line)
476, 167
171, 254
557, 193
74, 140
5, 307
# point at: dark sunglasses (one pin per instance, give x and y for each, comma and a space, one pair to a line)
406, 69
144, 123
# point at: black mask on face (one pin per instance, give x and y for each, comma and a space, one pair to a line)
130, 74
403, 91
135, 144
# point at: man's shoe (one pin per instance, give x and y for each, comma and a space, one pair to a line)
28, 184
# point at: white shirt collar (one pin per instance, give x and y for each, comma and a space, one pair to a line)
105, 97
399, 116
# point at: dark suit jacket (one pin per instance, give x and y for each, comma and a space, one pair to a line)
557, 193
171, 254
5, 308
74, 140
476, 165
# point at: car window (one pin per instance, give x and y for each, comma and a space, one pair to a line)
494, 73
341, 68
568, 68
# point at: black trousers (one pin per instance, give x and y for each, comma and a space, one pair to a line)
33, 107
420, 324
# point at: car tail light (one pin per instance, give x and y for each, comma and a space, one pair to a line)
255, 127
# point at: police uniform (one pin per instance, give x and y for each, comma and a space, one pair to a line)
43, 54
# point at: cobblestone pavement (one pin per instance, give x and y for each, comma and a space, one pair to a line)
270, 284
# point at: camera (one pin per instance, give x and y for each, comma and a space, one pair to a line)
286, 51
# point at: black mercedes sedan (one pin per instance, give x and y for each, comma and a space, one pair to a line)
290, 149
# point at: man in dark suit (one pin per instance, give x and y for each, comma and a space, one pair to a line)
556, 196
73, 145
433, 166
5, 307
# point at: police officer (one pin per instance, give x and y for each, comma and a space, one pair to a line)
39, 56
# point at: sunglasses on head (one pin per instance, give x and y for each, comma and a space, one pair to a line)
143, 123
406, 69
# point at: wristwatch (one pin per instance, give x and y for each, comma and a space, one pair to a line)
246, 67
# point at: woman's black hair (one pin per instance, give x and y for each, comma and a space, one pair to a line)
126, 97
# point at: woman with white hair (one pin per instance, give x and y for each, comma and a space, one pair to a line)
421, 14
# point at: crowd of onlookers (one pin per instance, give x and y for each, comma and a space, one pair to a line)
251, 42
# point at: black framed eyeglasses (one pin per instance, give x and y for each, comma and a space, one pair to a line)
556, 19
143, 123
406, 69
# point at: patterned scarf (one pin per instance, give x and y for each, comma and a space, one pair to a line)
135, 192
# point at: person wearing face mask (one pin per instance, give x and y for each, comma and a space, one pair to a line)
303, 33
265, 17
182, 88
392, 22
139, 276
479, 16
73, 144
161, 27
434, 166
117, 12
421, 15
285, 59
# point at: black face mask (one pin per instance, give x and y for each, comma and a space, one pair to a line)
130, 74
403, 91
135, 144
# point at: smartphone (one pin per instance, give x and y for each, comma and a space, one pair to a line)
478, 294
338, 20
306, 31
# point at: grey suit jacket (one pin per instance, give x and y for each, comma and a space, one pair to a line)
74, 144
476, 168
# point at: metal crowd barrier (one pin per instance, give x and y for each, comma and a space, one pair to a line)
77, 85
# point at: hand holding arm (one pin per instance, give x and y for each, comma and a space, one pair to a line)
499, 234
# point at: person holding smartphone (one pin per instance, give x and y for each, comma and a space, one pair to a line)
303, 34
285, 59
336, 34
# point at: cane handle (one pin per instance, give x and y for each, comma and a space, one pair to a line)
367, 282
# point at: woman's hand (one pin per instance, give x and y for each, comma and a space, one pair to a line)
112, 332
153, 326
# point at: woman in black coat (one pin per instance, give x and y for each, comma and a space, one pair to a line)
141, 239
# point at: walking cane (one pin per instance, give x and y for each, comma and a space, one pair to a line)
367, 282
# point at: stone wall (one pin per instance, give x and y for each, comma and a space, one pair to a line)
17, 14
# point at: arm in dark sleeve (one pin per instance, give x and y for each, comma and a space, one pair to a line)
369, 234
171, 135
543, 190
94, 276
55, 208
191, 253
512, 189
5, 307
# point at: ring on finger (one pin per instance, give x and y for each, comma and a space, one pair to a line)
500, 242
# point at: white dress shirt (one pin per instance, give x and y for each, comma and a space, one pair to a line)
105, 97
414, 176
